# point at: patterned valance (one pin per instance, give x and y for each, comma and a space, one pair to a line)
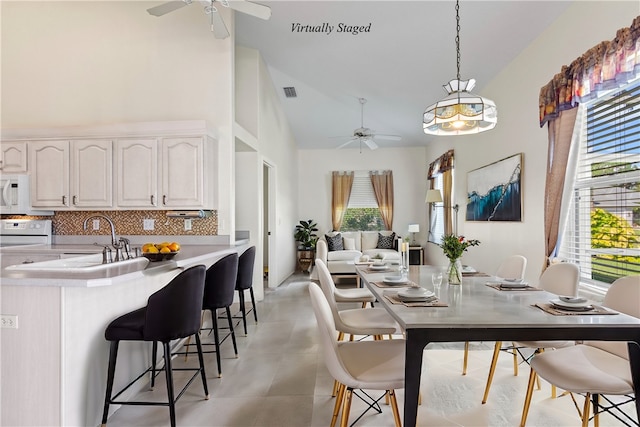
605, 66
441, 164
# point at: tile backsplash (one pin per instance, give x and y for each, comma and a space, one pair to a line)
130, 223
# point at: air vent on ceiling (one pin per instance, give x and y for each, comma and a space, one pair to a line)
290, 92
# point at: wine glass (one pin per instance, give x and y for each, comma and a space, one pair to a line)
436, 279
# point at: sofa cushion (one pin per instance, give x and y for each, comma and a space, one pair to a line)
355, 235
343, 256
369, 240
349, 243
385, 242
334, 243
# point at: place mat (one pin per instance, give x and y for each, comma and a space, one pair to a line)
393, 299
408, 283
556, 311
475, 274
500, 288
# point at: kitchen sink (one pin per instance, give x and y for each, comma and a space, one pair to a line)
80, 264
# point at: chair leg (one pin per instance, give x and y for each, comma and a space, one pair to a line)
154, 357
466, 358
585, 411
202, 373
492, 370
515, 360
216, 340
169, 375
111, 370
242, 309
253, 304
338, 405
394, 407
346, 407
527, 399
595, 398
233, 334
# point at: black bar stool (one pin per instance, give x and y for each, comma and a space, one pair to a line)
171, 313
245, 281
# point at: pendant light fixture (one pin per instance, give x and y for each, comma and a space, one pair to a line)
460, 112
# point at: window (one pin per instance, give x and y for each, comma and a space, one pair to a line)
362, 213
602, 233
436, 213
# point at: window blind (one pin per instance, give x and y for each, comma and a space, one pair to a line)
362, 195
603, 230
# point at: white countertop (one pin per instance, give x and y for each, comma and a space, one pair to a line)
189, 255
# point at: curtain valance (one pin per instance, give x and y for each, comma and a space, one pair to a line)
605, 66
441, 164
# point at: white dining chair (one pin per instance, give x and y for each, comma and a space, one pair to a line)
559, 279
512, 267
369, 365
593, 368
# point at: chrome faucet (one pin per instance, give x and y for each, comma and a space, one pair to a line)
117, 245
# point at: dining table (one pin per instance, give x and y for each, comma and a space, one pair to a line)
476, 311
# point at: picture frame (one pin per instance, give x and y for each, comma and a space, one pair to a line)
494, 191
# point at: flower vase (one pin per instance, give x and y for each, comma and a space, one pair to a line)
454, 272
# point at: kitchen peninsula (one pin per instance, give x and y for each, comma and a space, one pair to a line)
55, 362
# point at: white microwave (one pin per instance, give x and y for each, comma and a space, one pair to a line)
15, 196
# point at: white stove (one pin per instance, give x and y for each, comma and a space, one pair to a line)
21, 232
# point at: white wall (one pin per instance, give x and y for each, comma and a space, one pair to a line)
515, 91
409, 179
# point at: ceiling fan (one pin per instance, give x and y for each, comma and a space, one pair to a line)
218, 26
366, 135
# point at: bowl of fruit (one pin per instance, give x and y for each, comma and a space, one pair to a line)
160, 251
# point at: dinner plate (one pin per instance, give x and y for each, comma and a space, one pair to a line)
572, 300
506, 284
400, 282
583, 306
379, 267
415, 293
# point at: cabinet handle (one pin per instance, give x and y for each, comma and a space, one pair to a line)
164, 199
75, 200
64, 200
153, 200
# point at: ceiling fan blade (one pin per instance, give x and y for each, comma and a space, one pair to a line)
165, 8
347, 143
218, 26
371, 144
388, 137
250, 8
341, 136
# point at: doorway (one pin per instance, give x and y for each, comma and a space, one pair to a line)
268, 225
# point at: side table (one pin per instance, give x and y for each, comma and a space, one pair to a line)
416, 255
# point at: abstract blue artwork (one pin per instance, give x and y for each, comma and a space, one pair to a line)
494, 192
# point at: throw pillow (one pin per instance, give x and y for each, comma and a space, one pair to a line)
334, 243
386, 242
349, 244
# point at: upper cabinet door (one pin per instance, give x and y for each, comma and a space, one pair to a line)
137, 173
92, 173
13, 157
182, 174
49, 174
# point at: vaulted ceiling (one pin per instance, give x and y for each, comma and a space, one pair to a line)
399, 63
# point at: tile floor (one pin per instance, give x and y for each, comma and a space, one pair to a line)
280, 380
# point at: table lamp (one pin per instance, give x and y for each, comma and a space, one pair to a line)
413, 229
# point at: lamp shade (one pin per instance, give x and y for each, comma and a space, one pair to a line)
414, 228
433, 196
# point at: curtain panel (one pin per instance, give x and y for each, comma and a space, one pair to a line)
383, 189
444, 165
341, 184
607, 65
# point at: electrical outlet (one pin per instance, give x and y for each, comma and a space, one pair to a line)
96, 224
9, 321
187, 224
148, 224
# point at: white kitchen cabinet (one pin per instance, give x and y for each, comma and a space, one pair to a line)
174, 173
137, 172
76, 174
13, 157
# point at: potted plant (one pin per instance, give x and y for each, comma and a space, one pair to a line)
306, 237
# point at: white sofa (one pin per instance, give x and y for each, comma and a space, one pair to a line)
356, 244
